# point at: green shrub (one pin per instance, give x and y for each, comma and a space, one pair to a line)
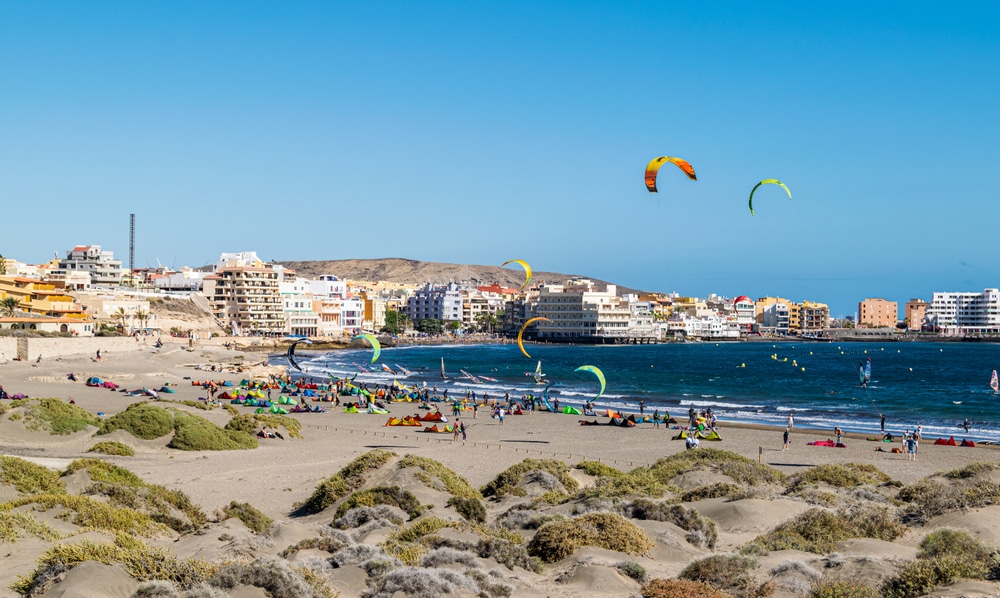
393, 496
255, 521
633, 570
847, 475
971, 470
139, 560
922, 575
29, 478
729, 572
842, 589
556, 541
110, 447
14, 525
706, 458
471, 509
509, 554
249, 422
818, 530
510, 478
680, 588
930, 498
598, 469
711, 491
638, 482
57, 416
958, 545
453, 483
344, 481
127, 490
702, 530
193, 433
142, 420
88, 512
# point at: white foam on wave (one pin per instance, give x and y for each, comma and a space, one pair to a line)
716, 404
792, 409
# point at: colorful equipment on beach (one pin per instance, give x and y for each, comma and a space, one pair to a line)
376, 346
968, 443
653, 169
827, 443
597, 372
520, 334
571, 410
527, 272
406, 421
291, 352
444, 430
768, 182
949, 442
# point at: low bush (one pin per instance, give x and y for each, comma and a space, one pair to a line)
250, 422
15, 525
333, 541
598, 469
193, 433
255, 521
29, 478
971, 470
471, 509
958, 545
110, 447
929, 498
57, 416
453, 483
847, 475
732, 573
842, 589
142, 562
446, 556
632, 569
124, 489
817, 530
393, 496
711, 491
359, 516
918, 577
416, 581
142, 420
509, 554
680, 588
85, 511
274, 576
344, 481
510, 479
556, 541
702, 530
739, 468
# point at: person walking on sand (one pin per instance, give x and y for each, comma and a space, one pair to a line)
458, 430
98, 355
784, 438
839, 433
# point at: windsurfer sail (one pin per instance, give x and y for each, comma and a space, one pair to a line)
994, 383
403, 370
361, 367
537, 374
474, 380
443, 375
488, 379
868, 371
388, 369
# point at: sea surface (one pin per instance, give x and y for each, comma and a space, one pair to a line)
935, 385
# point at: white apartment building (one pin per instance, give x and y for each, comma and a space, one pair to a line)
746, 312
776, 318
184, 280
352, 315
297, 307
965, 313
436, 303
101, 266
582, 310
477, 303
713, 327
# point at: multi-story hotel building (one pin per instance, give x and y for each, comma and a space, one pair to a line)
244, 294
965, 313
101, 267
878, 313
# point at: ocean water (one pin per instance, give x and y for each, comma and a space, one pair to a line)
936, 385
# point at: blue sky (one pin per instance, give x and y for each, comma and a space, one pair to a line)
477, 132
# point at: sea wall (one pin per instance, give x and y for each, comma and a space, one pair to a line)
8, 348
31, 348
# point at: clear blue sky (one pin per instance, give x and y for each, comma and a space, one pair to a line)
476, 132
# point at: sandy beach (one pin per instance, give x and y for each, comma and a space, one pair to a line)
280, 474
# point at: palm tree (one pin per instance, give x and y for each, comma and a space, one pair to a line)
143, 317
121, 315
8, 306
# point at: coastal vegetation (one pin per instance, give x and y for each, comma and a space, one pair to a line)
110, 447
54, 416
342, 483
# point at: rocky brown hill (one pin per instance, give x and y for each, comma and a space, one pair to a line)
416, 272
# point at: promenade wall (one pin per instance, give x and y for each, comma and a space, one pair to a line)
31, 348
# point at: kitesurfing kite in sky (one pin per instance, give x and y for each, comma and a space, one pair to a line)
291, 352
376, 346
527, 271
520, 334
653, 168
767, 182
597, 372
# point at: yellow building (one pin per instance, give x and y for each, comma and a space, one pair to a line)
916, 311
40, 297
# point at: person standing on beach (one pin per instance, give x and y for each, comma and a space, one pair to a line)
784, 438
839, 433
457, 426
882, 422
656, 418
642, 407
966, 424
791, 421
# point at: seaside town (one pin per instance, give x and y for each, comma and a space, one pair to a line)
88, 292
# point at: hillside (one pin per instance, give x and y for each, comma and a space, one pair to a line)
401, 270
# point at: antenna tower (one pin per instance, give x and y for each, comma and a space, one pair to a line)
131, 248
